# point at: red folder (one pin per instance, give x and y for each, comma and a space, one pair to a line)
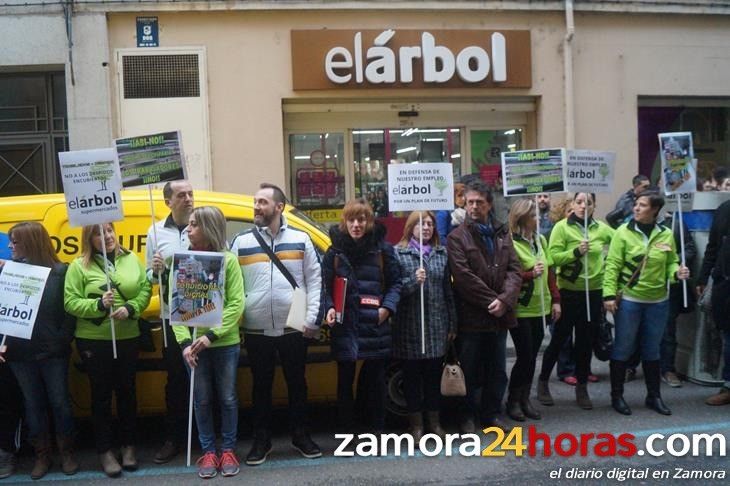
339, 293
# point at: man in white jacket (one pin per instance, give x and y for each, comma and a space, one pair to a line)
268, 295
172, 236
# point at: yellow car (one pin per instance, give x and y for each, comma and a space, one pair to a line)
50, 210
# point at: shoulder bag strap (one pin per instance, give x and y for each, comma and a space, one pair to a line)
274, 259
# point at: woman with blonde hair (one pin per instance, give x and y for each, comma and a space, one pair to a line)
214, 352
422, 370
360, 254
96, 306
40, 364
539, 299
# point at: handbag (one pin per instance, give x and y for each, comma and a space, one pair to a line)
298, 309
620, 293
603, 340
453, 383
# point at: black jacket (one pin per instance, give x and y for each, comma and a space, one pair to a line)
54, 328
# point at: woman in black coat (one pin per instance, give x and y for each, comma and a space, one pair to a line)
360, 254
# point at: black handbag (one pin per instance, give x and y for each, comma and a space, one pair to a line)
603, 341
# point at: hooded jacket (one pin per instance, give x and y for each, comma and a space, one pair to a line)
480, 278
373, 281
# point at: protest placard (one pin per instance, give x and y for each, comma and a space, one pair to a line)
91, 186
673, 201
679, 174
533, 171
151, 159
590, 171
21, 289
421, 187
197, 283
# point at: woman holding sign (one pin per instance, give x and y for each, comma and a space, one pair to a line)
641, 260
95, 306
214, 352
41, 364
539, 297
422, 371
571, 248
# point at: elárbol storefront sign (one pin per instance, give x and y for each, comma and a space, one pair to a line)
326, 59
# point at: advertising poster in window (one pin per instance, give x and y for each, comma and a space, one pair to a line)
590, 171
679, 174
21, 289
151, 159
197, 283
413, 187
534, 171
92, 186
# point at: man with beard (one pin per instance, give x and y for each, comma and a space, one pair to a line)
172, 236
487, 280
268, 299
543, 205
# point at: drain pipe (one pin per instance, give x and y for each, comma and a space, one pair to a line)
568, 74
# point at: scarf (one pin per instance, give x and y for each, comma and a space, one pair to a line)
426, 248
487, 233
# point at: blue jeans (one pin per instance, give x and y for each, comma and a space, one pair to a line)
44, 384
639, 324
219, 366
483, 357
726, 353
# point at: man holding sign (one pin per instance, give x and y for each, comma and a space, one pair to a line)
487, 279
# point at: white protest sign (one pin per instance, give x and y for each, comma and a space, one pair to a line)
679, 174
91, 186
21, 289
421, 186
590, 171
671, 202
197, 284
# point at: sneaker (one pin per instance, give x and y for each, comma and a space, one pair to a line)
208, 465
7, 464
671, 379
260, 450
229, 463
570, 380
593, 378
306, 446
630, 374
167, 452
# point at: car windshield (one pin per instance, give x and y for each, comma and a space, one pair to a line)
305, 217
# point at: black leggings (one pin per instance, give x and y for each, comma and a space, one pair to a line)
573, 304
370, 391
527, 337
422, 384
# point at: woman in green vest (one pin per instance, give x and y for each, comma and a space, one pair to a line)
539, 299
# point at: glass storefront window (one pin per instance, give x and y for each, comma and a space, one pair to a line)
374, 149
317, 171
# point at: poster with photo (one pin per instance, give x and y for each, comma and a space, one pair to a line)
92, 186
21, 289
533, 171
679, 174
151, 159
197, 283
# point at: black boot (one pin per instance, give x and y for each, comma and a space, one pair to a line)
526, 405
513, 405
618, 375
653, 378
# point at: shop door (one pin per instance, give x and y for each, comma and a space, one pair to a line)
165, 90
26, 166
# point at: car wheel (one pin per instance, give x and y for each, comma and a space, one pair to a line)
396, 400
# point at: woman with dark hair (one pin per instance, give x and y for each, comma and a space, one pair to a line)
641, 260
88, 298
539, 297
422, 371
570, 248
360, 254
40, 364
214, 353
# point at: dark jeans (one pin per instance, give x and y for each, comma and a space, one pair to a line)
292, 351
109, 376
668, 350
422, 384
10, 408
177, 389
217, 368
45, 389
483, 357
574, 316
639, 325
726, 353
370, 390
527, 337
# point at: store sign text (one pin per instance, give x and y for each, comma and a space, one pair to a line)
439, 63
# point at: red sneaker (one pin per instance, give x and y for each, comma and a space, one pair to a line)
593, 378
229, 463
208, 465
570, 380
